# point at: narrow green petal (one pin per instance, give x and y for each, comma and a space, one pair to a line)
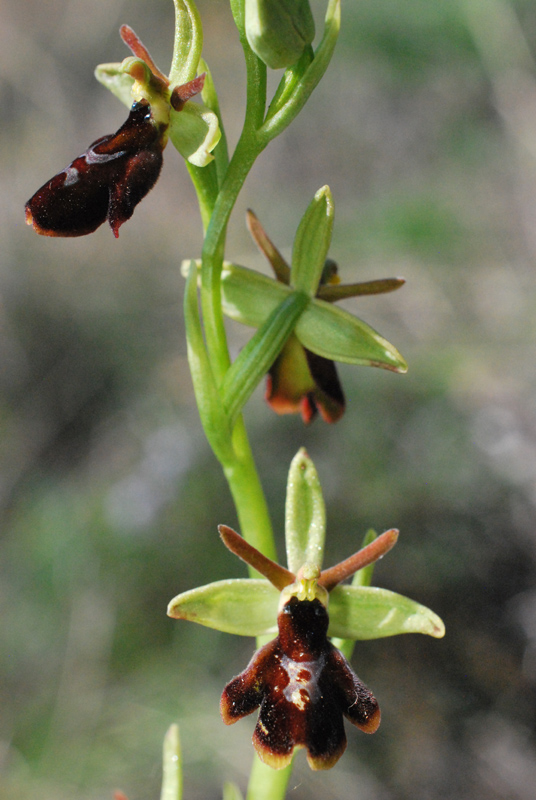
305, 514
243, 606
333, 333
367, 612
195, 132
118, 82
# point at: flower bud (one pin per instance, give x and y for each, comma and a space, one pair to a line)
278, 31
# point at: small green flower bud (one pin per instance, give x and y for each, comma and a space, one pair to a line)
278, 31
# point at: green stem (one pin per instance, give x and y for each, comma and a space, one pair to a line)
205, 181
216, 207
238, 465
243, 159
249, 146
266, 783
248, 495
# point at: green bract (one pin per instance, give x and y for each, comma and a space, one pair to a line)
249, 607
278, 31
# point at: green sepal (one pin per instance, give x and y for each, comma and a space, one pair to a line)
312, 242
367, 612
118, 82
249, 606
209, 97
172, 765
256, 358
279, 30
333, 333
305, 514
249, 297
195, 132
243, 606
187, 44
209, 402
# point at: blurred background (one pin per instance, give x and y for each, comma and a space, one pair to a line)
425, 129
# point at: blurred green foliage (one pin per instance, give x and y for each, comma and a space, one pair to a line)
109, 495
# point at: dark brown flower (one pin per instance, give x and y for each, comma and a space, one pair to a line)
304, 687
104, 183
301, 381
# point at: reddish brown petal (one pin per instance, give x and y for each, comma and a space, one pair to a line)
329, 578
133, 41
340, 291
276, 574
186, 91
267, 247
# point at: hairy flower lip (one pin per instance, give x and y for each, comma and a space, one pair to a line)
301, 683
304, 686
104, 183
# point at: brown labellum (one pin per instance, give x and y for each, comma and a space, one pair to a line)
301, 381
104, 183
304, 687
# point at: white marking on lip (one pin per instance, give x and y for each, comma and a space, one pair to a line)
71, 176
303, 678
101, 158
